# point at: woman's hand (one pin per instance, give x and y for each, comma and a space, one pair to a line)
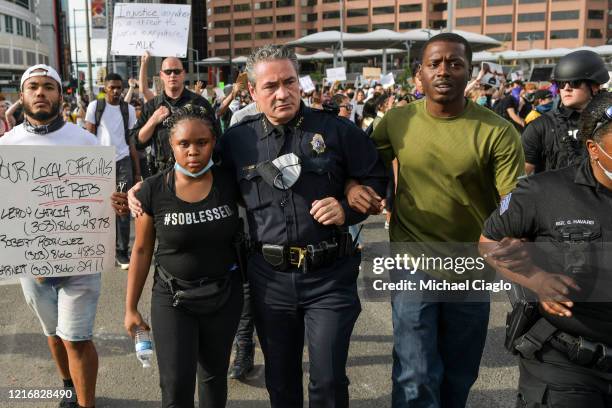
134, 204
132, 321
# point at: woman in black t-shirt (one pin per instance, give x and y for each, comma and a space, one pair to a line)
191, 210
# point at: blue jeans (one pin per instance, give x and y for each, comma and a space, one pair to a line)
437, 348
125, 175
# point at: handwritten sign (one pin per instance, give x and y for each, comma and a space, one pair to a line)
161, 29
306, 84
493, 73
56, 217
517, 76
336, 74
371, 73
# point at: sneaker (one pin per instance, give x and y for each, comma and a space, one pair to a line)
386, 225
244, 360
123, 261
68, 402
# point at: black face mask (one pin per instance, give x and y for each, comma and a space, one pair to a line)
54, 125
350, 95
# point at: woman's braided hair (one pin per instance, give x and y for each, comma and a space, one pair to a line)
192, 112
594, 114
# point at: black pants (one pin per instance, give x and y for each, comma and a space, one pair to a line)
246, 327
322, 306
125, 175
185, 342
555, 382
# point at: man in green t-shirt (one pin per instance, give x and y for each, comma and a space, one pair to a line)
456, 159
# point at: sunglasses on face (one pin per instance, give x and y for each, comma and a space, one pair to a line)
573, 84
347, 107
175, 71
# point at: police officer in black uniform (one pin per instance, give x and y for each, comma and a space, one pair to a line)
151, 128
550, 142
565, 344
293, 165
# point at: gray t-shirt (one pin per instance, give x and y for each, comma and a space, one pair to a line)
249, 110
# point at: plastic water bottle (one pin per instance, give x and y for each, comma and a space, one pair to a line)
144, 347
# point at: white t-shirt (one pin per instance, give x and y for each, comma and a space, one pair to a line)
111, 131
68, 135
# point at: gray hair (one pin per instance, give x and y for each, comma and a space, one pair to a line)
270, 53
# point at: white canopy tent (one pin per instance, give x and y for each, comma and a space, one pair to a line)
603, 50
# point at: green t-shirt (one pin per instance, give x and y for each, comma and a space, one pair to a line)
452, 171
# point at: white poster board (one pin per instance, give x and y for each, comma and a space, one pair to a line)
335, 74
387, 80
492, 74
517, 76
161, 29
306, 84
56, 217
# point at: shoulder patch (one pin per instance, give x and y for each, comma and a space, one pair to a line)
505, 203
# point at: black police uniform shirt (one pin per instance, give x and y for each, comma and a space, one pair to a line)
331, 149
545, 206
195, 240
159, 141
551, 141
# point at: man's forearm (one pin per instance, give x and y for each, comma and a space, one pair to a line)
146, 132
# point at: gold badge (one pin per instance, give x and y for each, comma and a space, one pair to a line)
318, 144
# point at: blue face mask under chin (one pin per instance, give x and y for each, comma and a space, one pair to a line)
544, 108
186, 172
481, 100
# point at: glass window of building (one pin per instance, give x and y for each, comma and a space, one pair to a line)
596, 14
242, 7
411, 8
5, 56
285, 33
30, 58
262, 5
563, 34
468, 3
331, 14
309, 17
19, 24
359, 28
222, 52
23, 3
468, 21
594, 33
8, 24
222, 24
437, 24
241, 22
439, 7
331, 28
410, 25
222, 38
221, 10
501, 36
531, 1
285, 3
17, 57
243, 51
499, 19
529, 17
28, 29
264, 35
263, 20
383, 10
529, 35
288, 18
361, 12
565, 15
383, 26
499, 2
242, 36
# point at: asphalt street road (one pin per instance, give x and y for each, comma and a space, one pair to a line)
25, 361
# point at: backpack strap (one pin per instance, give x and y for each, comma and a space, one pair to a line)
125, 114
100, 106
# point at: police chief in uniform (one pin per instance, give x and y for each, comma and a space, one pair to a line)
566, 349
293, 164
301, 172
550, 142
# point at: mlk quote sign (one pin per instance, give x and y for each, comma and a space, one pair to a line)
160, 29
56, 217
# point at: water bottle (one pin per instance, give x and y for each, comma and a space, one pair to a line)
144, 347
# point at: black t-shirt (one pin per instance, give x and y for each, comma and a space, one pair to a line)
544, 208
194, 239
502, 106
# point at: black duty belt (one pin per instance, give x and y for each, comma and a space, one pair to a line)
579, 350
283, 258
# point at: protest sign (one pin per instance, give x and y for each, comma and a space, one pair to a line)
517, 76
387, 80
493, 73
336, 74
98, 19
161, 29
306, 84
56, 217
371, 73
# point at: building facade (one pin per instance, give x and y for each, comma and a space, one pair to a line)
20, 42
519, 24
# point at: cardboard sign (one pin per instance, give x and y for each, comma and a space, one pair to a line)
371, 73
306, 84
161, 29
56, 217
336, 74
388, 80
243, 80
517, 76
492, 74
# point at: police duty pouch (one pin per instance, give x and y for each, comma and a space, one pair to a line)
198, 297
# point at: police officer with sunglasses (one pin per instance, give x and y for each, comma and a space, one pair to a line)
151, 128
551, 141
563, 334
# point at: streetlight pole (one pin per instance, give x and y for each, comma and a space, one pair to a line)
197, 53
341, 30
231, 67
89, 70
76, 52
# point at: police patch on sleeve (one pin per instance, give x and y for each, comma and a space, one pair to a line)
505, 203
